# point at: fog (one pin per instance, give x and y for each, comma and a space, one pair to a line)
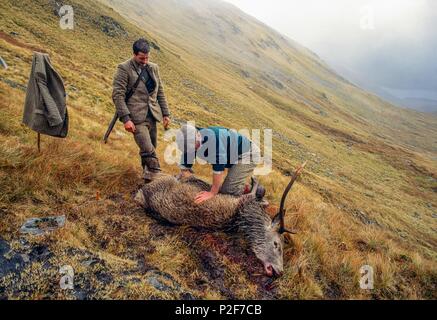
388, 44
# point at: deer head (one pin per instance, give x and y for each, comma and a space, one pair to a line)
265, 235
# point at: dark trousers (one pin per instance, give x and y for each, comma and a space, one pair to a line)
146, 137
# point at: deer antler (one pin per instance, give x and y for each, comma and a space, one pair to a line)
255, 184
282, 210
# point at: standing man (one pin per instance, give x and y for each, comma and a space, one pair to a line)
140, 104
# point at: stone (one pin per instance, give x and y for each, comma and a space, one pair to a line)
156, 279
3, 63
155, 46
39, 226
13, 84
157, 284
10, 262
110, 27
187, 296
40, 253
90, 262
25, 258
80, 295
104, 277
363, 216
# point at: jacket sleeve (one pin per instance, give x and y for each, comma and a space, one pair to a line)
53, 115
119, 89
162, 100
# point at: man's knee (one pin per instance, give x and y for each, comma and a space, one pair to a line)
230, 191
235, 181
235, 188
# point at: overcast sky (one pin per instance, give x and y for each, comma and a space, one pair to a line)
389, 43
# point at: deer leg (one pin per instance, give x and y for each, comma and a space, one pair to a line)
140, 199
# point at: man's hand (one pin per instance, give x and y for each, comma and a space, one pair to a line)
204, 196
217, 181
130, 127
166, 121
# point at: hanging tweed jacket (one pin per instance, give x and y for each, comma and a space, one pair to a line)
45, 108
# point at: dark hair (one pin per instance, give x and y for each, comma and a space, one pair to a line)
141, 45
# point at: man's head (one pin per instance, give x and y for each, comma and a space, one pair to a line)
141, 50
188, 137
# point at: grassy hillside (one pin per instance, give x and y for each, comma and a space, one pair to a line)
257, 63
368, 196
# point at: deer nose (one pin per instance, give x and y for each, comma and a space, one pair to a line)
269, 270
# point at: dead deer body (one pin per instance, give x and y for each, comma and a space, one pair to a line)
171, 200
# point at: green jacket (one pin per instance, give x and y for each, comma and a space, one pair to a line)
45, 109
139, 104
228, 147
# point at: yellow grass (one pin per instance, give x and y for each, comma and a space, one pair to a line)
352, 175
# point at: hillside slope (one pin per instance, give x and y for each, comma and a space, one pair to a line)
219, 37
368, 196
353, 139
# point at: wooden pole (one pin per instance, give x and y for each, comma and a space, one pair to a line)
39, 142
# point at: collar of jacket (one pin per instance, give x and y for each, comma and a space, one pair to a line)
137, 67
44, 59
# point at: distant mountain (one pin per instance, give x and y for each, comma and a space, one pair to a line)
419, 104
424, 105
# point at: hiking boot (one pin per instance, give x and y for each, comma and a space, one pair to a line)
260, 192
151, 167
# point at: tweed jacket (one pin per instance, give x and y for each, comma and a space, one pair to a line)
45, 109
142, 101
